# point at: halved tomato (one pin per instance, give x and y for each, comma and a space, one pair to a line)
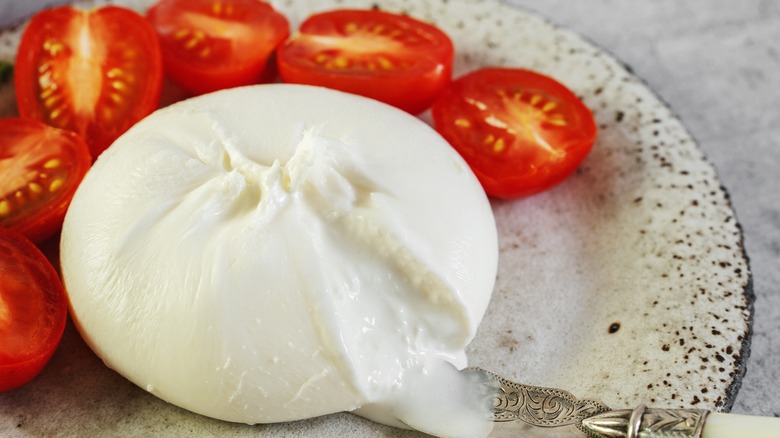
521, 132
40, 169
93, 72
209, 45
389, 57
33, 310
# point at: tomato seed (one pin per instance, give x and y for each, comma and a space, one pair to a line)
35, 187
499, 145
52, 164
56, 184
463, 123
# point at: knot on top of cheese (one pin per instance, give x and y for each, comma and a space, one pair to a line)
279, 252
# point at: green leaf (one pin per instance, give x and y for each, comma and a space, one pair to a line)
6, 68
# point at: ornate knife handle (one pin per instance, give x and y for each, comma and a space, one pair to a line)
549, 407
647, 423
537, 406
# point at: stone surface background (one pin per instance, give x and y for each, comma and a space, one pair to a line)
717, 64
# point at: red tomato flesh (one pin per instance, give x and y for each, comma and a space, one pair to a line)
209, 45
33, 310
40, 169
392, 58
520, 132
93, 72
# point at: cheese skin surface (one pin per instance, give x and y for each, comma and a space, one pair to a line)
279, 252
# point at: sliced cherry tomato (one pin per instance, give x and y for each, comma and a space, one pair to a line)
209, 45
520, 131
392, 58
40, 168
33, 310
93, 72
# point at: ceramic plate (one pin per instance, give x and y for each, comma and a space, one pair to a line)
628, 283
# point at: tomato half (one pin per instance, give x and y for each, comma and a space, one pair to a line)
209, 45
33, 310
521, 132
93, 72
392, 58
40, 169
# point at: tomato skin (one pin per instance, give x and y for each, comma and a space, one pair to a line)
93, 72
388, 57
33, 310
521, 132
210, 45
40, 169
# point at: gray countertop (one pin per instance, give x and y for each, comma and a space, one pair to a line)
717, 64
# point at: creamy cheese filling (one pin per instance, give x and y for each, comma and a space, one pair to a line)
279, 252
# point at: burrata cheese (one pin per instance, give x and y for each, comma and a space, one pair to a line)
279, 252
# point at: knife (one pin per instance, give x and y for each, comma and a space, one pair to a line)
520, 410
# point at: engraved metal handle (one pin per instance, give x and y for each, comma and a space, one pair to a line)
649, 423
512, 403
537, 406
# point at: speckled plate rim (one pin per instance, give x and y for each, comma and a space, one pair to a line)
743, 287
550, 356
749, 294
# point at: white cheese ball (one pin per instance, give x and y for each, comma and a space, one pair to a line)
279, 252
